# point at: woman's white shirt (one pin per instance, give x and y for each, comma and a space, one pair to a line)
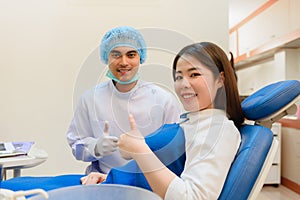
212, 141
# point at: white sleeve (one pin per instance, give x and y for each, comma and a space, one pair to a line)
80, 135
204, 177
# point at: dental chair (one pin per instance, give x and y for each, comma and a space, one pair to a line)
247, 173
258, 147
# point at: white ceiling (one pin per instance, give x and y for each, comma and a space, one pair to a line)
239, 9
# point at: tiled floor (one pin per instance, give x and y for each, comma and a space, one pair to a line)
277, 193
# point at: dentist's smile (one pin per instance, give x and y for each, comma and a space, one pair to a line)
123, 71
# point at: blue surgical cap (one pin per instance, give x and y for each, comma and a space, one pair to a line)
122, 36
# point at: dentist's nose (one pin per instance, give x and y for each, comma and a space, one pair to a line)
123, 61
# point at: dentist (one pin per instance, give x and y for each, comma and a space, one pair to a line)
102, 113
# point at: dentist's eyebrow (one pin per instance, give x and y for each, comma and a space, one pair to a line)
115, 51
132, 51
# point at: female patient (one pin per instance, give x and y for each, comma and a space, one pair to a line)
205, 84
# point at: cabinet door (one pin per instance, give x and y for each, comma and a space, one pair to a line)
274, 175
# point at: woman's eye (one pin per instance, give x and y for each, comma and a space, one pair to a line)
195, 74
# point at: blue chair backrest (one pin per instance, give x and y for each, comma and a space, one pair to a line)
255, 145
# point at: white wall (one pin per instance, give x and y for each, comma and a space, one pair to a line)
293, 63
47, 47
252, 78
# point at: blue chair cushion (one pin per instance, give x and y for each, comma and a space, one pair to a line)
45, 182
270, 98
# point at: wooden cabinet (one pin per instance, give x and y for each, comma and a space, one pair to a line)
258, 36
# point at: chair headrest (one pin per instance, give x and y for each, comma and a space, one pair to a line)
273, 101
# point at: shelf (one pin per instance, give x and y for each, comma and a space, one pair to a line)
267, 50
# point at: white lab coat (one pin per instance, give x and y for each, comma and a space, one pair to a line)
150, 105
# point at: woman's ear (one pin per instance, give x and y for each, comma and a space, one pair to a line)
221, 80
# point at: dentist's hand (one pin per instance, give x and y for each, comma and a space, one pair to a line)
107, 144
93, 178
131, 143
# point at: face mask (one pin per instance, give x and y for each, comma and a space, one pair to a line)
111, 76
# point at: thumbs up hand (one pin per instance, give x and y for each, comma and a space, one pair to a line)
107, 144
132, 142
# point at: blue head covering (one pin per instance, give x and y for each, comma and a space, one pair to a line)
122, 36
